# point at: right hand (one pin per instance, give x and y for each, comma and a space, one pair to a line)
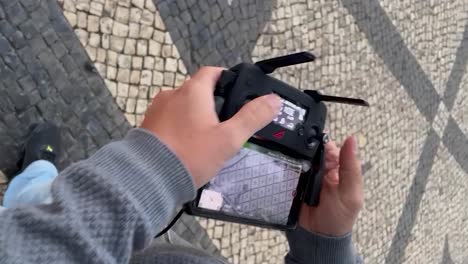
186, 121
342, 193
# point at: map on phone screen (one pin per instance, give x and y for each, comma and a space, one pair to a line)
256, 183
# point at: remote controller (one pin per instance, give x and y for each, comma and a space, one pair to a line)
297, 131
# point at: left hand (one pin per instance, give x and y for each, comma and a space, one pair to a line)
342, 193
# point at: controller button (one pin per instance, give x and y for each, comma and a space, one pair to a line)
325, 138
312, 144
300, 131
311, 134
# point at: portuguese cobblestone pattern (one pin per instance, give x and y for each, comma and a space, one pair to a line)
131, 48
46, 74
407, 58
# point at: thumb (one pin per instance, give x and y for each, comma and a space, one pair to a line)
351, 182
252, 117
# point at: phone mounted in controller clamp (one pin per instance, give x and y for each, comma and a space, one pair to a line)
297, 131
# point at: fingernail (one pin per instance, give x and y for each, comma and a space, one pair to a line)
274, 100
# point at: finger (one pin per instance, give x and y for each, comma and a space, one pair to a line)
350, 177
207, 77
251, 117
162, 95
331, 148
332, 177
332, 153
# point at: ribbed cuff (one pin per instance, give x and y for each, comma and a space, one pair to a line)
149, 172
307, 247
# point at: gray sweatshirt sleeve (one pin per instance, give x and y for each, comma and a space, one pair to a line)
306, 247
103, 208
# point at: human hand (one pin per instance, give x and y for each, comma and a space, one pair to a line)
342, 192
186, 121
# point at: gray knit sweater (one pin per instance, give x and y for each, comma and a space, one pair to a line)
111, 205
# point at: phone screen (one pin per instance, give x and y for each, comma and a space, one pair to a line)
257, 183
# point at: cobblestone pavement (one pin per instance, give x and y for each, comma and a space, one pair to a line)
45, 74
131, 48
407, 58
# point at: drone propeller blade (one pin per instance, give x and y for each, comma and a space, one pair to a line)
270, 65
344, 100
336, 99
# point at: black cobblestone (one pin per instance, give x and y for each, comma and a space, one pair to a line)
44, 77
391, 48
201, 41
36, 75
15, 13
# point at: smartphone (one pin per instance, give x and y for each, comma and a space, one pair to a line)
258, 186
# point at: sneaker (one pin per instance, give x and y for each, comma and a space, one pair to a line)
43, 144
